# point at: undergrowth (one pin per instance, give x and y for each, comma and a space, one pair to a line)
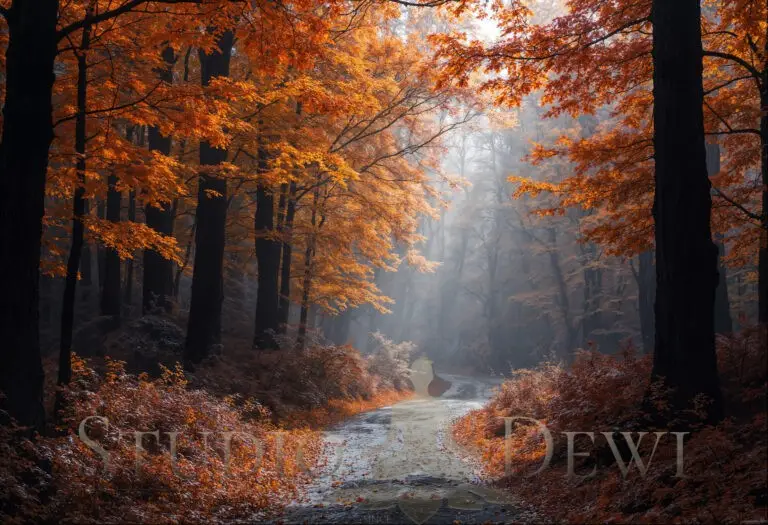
193, 475
724, 466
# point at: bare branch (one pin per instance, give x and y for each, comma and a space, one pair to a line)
751, 215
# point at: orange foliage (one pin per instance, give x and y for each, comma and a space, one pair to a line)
62, 479
362, 153
592, 59
724, 465
206, 486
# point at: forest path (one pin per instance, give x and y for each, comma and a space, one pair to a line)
399, 464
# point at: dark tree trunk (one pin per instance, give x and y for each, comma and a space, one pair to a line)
27, 135
284, 305
268, 261
157, 288
593, 290
157, 285
686, 257
762, 272
73, 261
101, 213
185, 262
723, 321
373, 318
563, 301
204, 326
129, 265
110, 294
86, 265
307, 282
646, 293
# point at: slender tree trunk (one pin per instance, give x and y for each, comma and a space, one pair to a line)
204, 326
101, 213
110, 294
284, 305
86, 264
185, 262
73, 261
646, 293
686, 257
157, 286
268, 261
374, 316
593, 284
563, 299
723, 321
312, 317
307, 282
27, 136
128, 287
302, 331
762, 285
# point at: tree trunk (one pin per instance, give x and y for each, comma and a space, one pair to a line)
27, 136
563, 301
307, 282
204, 326
593, 290
73, 261
110, 294
723, 321
128, 299
284, 305
86, 264
762, 285
302, 331
268, 262
101, 213
157, 287
686, 257
646, 293
187, 254
373, 318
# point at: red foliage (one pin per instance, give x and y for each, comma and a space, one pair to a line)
62, 479
724, 465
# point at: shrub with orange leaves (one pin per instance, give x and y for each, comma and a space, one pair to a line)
293, 381
201, 459
313, 387
236, 439
724, 466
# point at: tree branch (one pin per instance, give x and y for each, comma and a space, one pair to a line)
731, 130
113, 108
733, 58
751, 215
112, 13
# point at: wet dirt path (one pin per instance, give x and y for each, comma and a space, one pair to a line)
398, 464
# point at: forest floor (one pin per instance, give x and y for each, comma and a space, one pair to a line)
399, 464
